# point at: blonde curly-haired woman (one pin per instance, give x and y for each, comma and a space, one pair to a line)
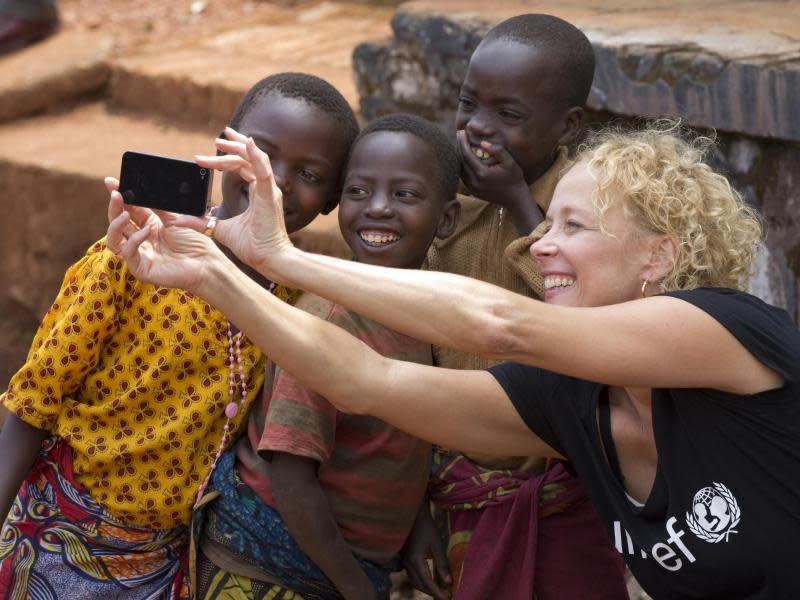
674, 395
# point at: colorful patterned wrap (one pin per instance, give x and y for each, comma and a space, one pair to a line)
135, 378
221, 584
245, 525
58, 543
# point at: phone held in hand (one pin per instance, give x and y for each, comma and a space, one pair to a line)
164, 183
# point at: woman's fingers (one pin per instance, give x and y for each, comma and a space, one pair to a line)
259, 162
234, 135
135, 219
228, 162
140, 215
197, 223
129, 249
111, 183
230, 147
115, 206
115, 236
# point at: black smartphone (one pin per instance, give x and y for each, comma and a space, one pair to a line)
171, 184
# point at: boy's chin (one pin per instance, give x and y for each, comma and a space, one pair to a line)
387, 260
295, 222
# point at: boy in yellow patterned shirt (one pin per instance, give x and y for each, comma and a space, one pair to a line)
137, 388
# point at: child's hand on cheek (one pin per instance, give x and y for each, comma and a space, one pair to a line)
499, 180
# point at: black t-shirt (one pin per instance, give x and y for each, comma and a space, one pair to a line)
723, 520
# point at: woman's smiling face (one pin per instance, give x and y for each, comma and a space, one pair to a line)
582, 263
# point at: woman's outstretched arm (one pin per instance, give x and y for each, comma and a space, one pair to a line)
656, 342
468, 410
653, 342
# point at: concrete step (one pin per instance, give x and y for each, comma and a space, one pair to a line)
46, 75
203, 80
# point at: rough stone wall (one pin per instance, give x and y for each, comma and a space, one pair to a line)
748, 99
767, 173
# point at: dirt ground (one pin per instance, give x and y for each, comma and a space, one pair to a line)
134, 25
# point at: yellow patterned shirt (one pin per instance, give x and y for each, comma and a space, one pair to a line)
135, 378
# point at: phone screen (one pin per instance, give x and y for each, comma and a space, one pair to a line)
165, 183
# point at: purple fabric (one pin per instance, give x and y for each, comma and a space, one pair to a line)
518, 536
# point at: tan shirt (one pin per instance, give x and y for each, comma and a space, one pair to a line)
487, 246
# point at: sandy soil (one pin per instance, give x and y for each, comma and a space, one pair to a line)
137, 24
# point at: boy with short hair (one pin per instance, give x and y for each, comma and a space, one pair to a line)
521, 104
314, 502
132, 381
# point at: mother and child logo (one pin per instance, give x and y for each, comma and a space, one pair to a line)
715, 514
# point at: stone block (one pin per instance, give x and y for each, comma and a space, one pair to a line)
48, 75
51, 218
202, 82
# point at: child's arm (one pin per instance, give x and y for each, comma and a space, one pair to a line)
66, 346
308, 517
423, 543
19, 444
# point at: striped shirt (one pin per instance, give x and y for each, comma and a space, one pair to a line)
373, 474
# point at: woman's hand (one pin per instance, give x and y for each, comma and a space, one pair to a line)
139, 215
257, 235
174, 257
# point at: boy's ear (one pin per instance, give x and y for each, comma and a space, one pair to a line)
572, 124
449, 219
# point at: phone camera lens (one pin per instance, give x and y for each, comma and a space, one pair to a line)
202, 172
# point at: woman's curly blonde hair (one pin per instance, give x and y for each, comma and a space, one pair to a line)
667, 188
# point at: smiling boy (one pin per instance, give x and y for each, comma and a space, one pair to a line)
520, 105
313, 501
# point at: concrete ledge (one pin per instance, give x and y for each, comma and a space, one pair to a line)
47, 75
53, 194
201, 82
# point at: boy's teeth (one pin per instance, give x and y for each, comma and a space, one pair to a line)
480, 153
554, 281
379, 239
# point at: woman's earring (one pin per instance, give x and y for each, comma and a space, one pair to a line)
644, 285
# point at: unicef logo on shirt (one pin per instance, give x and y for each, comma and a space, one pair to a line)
714, 515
